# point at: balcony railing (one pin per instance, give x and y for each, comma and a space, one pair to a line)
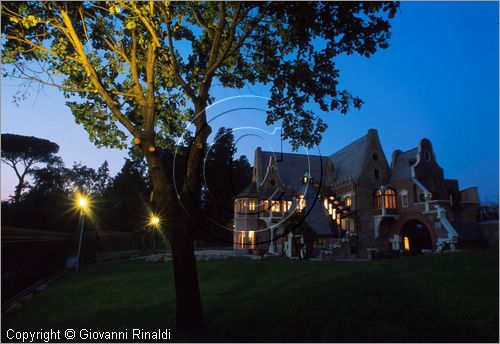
388, 211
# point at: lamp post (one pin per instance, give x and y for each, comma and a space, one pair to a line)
82, 204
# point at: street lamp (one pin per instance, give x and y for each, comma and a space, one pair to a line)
82, 203
154, 221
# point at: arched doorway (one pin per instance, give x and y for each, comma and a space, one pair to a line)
415, 237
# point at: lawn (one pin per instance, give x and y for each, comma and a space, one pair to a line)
448, 297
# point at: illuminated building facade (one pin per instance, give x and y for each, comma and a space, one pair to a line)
355, 202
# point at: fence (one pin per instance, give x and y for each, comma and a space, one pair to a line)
29, 255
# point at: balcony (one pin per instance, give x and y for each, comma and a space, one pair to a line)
385, 212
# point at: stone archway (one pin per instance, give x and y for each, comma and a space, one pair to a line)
415, 237
417, 226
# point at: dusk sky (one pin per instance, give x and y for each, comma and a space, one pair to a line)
438, 80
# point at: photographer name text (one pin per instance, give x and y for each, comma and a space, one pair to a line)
47, 336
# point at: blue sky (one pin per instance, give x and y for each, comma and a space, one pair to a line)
438, 79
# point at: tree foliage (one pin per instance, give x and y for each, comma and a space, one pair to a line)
124, 57
23, 153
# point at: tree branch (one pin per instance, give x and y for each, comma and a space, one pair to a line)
150, 113
40, 47
189, 91
133, 69
218, 34
77, 44
197, 16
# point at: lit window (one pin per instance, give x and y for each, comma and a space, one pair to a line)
390, 199
325, 203
287, 205
241, 239
243, 205
378, 199
251, 239
275, 207
334, 214
407, 243
348, 201
302, 202
330, 209
252, 205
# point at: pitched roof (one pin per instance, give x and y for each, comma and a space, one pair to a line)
249, 191
401, 168
348, 161
293, 166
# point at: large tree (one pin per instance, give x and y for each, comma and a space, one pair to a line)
145, 68
23, 153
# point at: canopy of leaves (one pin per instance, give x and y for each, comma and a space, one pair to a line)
19, 147
140, 66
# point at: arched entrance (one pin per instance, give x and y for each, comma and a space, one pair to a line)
415, 237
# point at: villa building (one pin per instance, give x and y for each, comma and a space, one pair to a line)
354, 202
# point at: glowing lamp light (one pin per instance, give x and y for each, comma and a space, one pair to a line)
155, 220
82, 202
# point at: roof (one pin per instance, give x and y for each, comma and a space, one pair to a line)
401, 168
293, 166
348, 161
249, 191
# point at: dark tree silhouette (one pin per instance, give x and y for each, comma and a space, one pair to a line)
23, 153
224, 178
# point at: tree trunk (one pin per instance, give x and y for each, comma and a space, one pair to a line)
188, 300
17, 193
189, 313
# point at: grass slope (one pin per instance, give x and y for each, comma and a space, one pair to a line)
450, 297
